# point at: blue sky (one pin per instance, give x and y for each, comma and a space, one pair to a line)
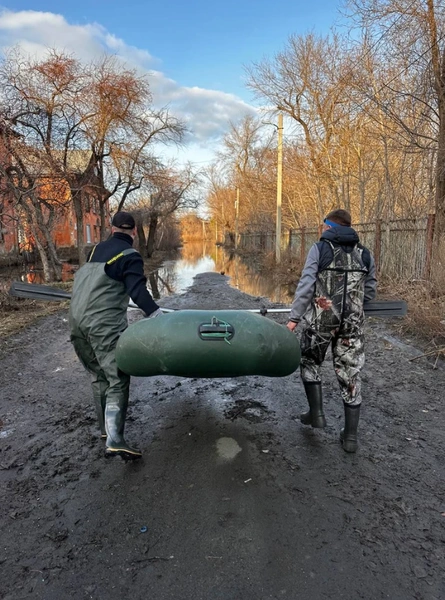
196, 49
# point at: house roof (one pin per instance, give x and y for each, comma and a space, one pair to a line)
39, 163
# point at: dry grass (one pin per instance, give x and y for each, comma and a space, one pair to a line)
18, 313
425, 320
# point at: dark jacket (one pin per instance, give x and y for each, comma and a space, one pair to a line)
128, 269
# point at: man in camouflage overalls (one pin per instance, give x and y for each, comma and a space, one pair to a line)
338, 277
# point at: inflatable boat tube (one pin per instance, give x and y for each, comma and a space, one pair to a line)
202, 343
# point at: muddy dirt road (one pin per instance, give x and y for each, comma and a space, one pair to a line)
234, 498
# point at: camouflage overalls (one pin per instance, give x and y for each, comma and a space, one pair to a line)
336, 318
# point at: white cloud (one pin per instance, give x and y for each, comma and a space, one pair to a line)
206, 112
36, 31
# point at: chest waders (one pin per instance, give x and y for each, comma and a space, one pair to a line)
336, 318
98, 316
342, 284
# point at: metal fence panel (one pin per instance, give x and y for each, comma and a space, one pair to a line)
403, 248
400, 247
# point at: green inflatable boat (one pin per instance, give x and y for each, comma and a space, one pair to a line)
203, 343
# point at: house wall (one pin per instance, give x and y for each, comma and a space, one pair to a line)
8, 228
14, 238
65, 231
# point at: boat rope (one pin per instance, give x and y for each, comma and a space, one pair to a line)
216, 330
227, 334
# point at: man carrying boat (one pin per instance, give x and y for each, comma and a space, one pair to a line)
114, 272
338, 277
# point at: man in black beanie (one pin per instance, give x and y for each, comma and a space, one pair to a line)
113, 273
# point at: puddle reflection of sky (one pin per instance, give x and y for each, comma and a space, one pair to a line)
186, 271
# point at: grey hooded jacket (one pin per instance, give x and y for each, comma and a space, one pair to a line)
320, 256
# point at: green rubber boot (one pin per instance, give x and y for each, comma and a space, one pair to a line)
115, 413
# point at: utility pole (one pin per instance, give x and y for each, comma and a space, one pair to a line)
236, 217
279, 188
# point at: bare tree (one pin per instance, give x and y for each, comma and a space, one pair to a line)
411, 36
124, 128
306, 82
91, 125
167, 191
220, 201
38, 199
246, 162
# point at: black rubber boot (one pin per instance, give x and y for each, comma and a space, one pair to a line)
348, 435
314, 416
115, 413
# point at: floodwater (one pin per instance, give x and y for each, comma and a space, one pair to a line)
30, 273
175, 276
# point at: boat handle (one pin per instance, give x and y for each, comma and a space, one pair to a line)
216, 330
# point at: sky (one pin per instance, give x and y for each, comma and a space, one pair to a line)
195, 51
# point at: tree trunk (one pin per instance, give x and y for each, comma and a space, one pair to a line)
154, 286
46, 229
51, 254
52, 268
150, 247
47, 269
439, 227
78, 211
142, 240
48, 273
103, 223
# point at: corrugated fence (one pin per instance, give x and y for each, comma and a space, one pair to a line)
402, 248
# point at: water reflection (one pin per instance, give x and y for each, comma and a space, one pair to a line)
31, 274
34, 274
247, 279
177, 275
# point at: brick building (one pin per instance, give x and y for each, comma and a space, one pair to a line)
15, 237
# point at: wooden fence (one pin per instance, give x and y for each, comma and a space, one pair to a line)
401, 248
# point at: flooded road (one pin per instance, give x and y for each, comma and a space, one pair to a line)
176, 276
